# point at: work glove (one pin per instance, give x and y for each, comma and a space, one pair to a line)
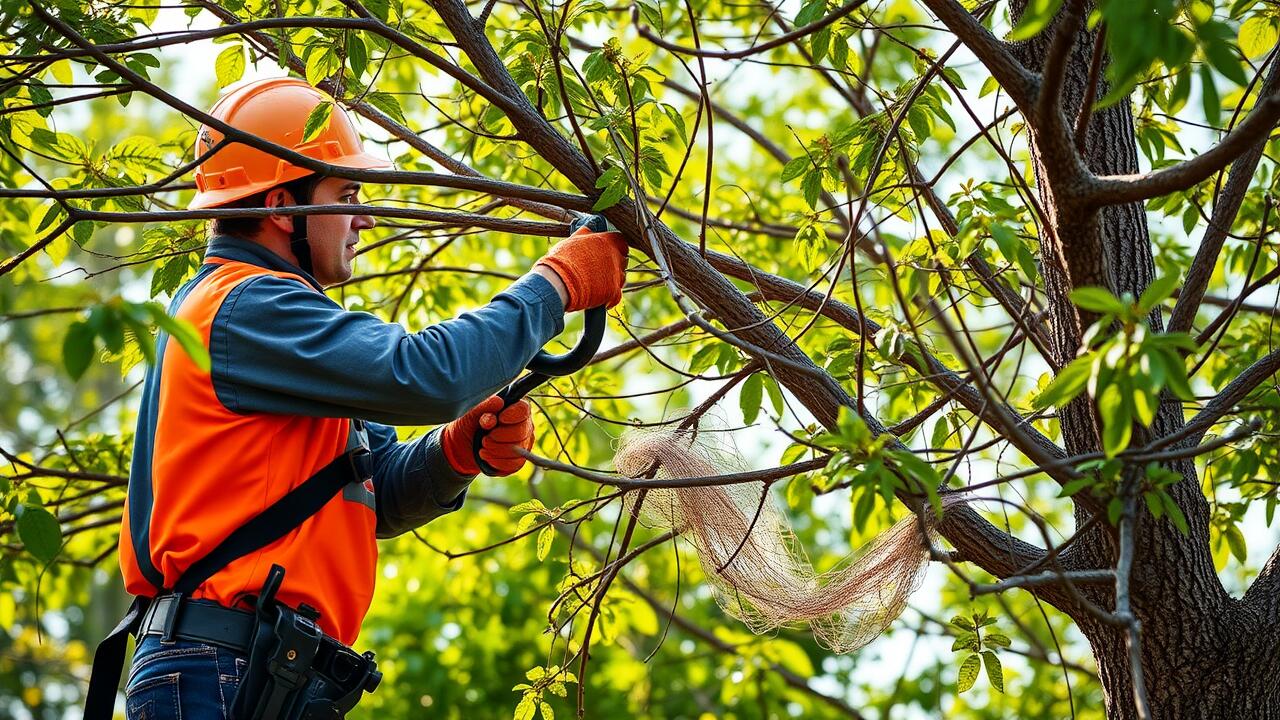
509, 429
592, 263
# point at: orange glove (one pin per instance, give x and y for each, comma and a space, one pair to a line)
592, 265
509, 429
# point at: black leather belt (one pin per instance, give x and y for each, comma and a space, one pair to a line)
174, 617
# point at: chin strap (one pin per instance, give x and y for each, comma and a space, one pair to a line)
298, 238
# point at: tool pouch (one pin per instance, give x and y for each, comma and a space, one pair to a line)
295, 671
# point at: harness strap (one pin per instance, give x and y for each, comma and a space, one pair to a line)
268, 526
280, 518
108, 662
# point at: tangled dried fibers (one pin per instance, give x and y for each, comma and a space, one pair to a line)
753, 561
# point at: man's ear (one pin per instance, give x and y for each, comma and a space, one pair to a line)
279, 197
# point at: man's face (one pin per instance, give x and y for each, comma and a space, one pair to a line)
333, 238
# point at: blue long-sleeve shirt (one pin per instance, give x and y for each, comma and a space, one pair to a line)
279, 347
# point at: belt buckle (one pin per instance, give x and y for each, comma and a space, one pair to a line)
361, 461
171, 619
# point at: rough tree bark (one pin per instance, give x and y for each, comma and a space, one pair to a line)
1204, 654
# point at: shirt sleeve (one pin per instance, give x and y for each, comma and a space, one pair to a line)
413, 482
279, 346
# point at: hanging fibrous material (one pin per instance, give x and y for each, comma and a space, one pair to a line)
759, 572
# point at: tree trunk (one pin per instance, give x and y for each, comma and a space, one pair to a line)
1203, 654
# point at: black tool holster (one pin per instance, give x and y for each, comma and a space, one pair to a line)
295, 671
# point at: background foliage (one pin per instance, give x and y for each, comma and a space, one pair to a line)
854, 116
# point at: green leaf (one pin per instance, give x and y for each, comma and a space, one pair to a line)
839, 52
775, 394
677, 121
381, 9
1117, 420
547, 712
819, 43
1037, 16
704, 358
1154, 505
995, 639
527, 522
609, 197
322, 62
1257, 36
1097, 300
107, 323
61, 71
1159, 289
526, 709
357, 54
962, 622
1069, 382
810, 12
1175, 513
529, 506
184, 332
1235, 541
812, 188
39, 532
317, 121
966, 641
229, 67
750, 397
170, 275
995, 673
77, 349
1221, 54
387, 103
545, 536
968, 673
1076, 486
1115, 508
1209, 96
795, 167
1175, 374
1144, 406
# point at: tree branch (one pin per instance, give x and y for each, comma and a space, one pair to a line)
1225, 210
1121, 189
1020, 84
779, 41
1226, 400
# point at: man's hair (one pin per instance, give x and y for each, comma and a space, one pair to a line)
248, 227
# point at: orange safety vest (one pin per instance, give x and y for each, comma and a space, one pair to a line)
212, 470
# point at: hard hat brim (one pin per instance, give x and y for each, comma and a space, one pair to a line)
222, 196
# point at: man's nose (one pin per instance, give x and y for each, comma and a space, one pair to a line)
364, 222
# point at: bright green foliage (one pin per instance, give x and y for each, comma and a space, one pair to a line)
1126, 371
477, 602
111, 321
973, 640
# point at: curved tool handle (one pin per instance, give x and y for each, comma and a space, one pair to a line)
581, 354
545, 366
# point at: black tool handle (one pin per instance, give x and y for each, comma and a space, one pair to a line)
542, 368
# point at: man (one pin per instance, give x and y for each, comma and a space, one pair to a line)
297, 386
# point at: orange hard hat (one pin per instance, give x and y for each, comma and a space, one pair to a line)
276, 110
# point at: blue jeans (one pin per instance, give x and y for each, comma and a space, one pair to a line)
181, 681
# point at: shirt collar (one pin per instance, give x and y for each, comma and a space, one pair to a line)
230, 247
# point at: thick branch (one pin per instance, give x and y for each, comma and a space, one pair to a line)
1121, 189
1020, 84
816, 390
1226, 399
1224, 215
